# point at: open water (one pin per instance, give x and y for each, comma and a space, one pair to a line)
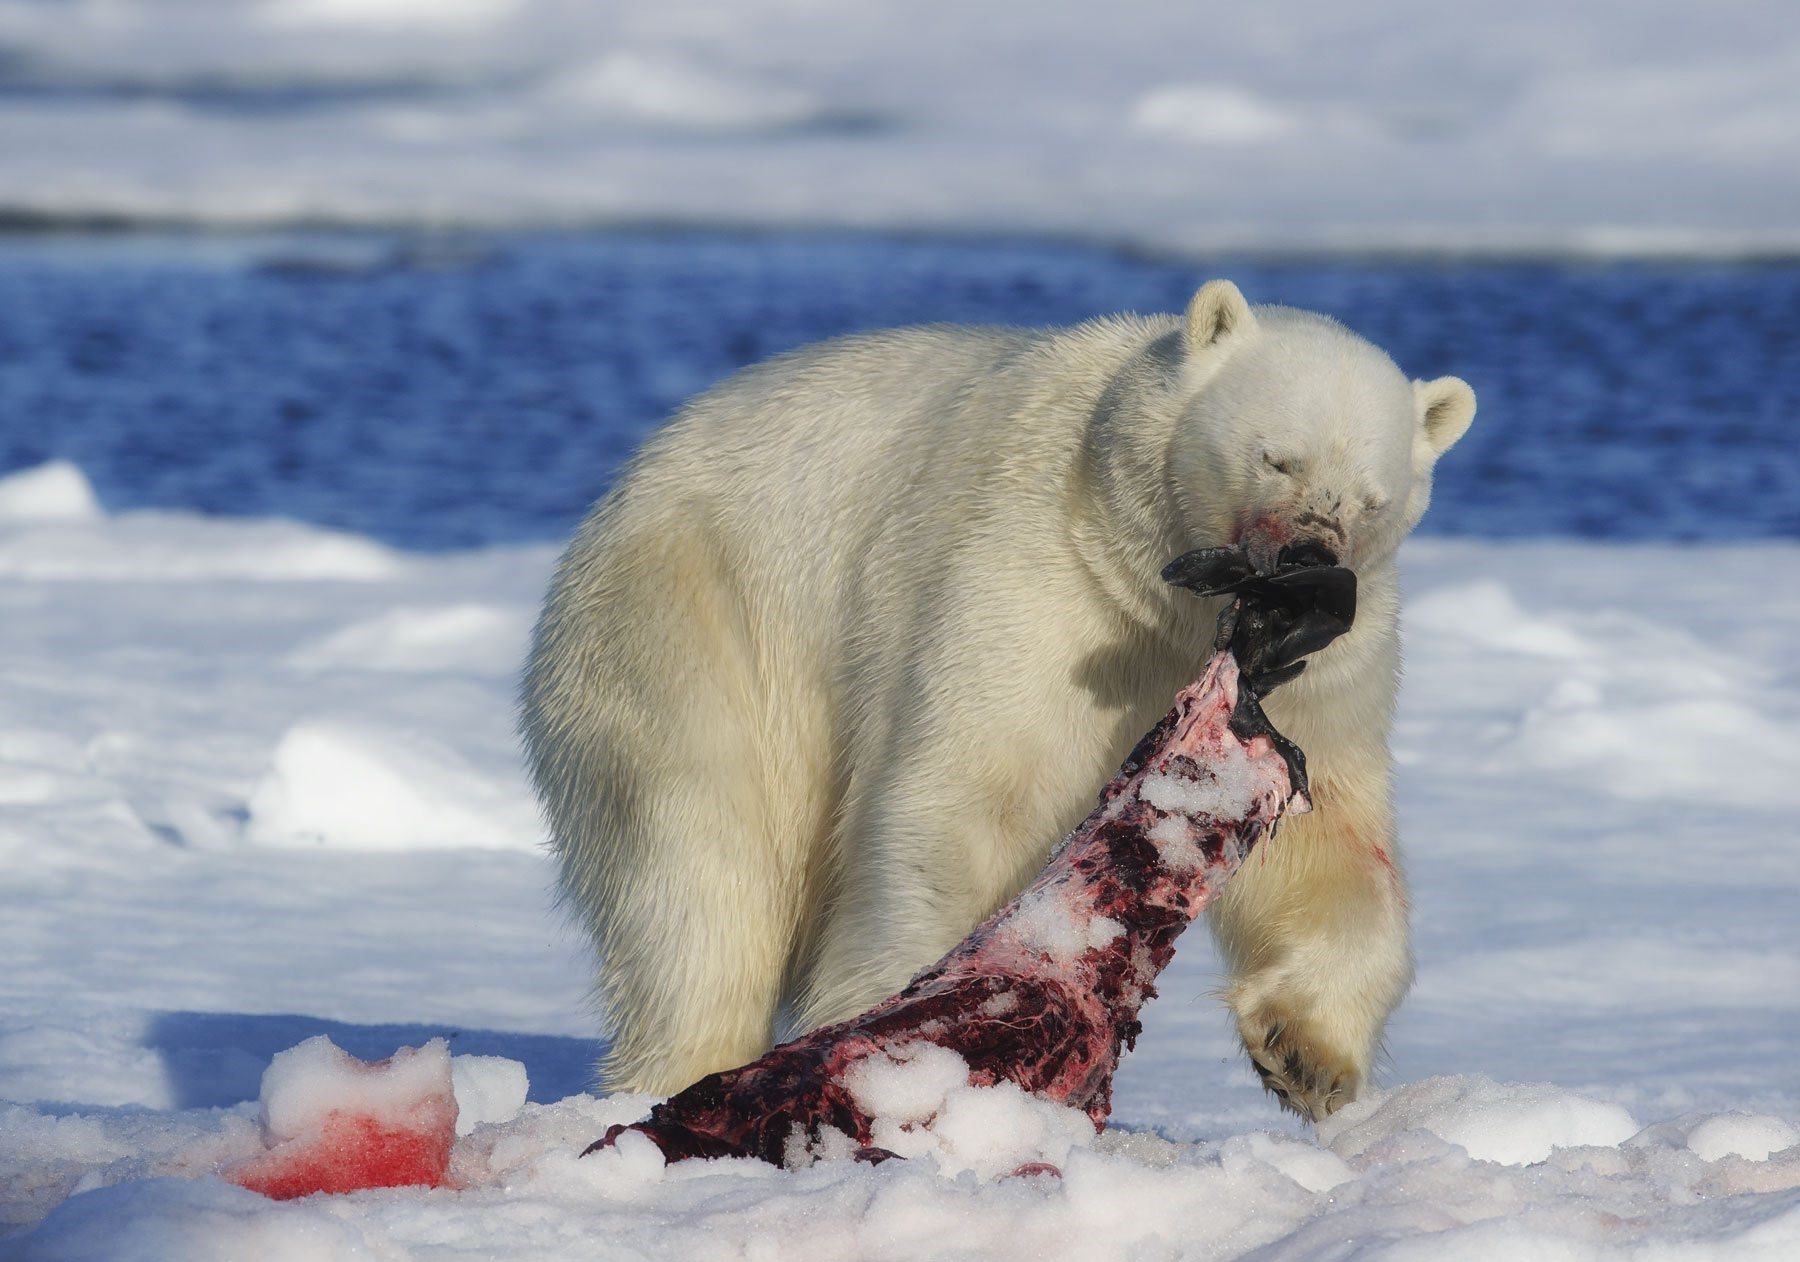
446, 391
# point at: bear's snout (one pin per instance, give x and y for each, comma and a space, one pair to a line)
1262, 540
1306, 552
1272, 540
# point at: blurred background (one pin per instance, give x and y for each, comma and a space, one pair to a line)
430, 269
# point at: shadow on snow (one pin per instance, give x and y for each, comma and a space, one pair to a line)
214, 1059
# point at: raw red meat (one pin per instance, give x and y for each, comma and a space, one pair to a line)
1045, 993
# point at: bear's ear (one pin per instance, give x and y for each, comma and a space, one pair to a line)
1217, 312
1446, 406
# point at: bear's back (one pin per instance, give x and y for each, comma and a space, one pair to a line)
806, 427
872, 450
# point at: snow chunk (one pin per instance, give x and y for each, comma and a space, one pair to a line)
307, 1083
1043, 922
1102, 930
1225, 788
1173, 837
57, 491
801, 1150
995, 1130
488, 1089
1313, 1168
354, 786
909, 1085
466, 637
153, 547
922, 1104
1509, 1124
338, 1124
540, 1150
1753, 1136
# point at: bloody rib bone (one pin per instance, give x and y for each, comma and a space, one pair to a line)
1045, 993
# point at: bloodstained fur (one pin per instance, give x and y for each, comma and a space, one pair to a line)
1056, 1027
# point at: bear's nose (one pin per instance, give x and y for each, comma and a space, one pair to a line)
1307, 552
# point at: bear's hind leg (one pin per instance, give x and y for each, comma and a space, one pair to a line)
692, 950
681, 801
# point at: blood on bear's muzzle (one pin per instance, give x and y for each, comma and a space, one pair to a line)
1273, 542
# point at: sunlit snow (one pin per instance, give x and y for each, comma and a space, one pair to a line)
1597, 1060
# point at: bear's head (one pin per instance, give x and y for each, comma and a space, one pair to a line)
1301, 440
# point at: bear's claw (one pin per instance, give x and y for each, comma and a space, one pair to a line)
1298, 1070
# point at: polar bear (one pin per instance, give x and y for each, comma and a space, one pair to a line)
857, 638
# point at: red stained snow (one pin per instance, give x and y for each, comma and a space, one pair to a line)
350, 1151
353, 1151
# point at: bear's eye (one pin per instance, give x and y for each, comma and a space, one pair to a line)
1284, 465
1374, 503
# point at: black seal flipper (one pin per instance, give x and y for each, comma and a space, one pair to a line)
1271, 626
1209, 571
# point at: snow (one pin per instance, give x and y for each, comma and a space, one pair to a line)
395, 13
1512, 124
1046, 922
161, 1219
923, 1107
155, 547
488, 1089
1614, 709
1596, 1062
1749, 1135
1511, 1124
993, 1130
1211, 114
463, 637
333, 783
50, 492
1226, 793
908, 1087
334, 1123
307, 1083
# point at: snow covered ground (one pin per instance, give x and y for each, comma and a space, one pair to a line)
257, 783
1597, 125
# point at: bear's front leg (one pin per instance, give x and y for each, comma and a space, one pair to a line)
1314, 931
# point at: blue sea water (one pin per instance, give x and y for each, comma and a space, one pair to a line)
440, 392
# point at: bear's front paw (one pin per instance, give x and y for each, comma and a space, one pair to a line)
1301, 1070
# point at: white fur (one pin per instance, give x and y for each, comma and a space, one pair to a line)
860, 635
